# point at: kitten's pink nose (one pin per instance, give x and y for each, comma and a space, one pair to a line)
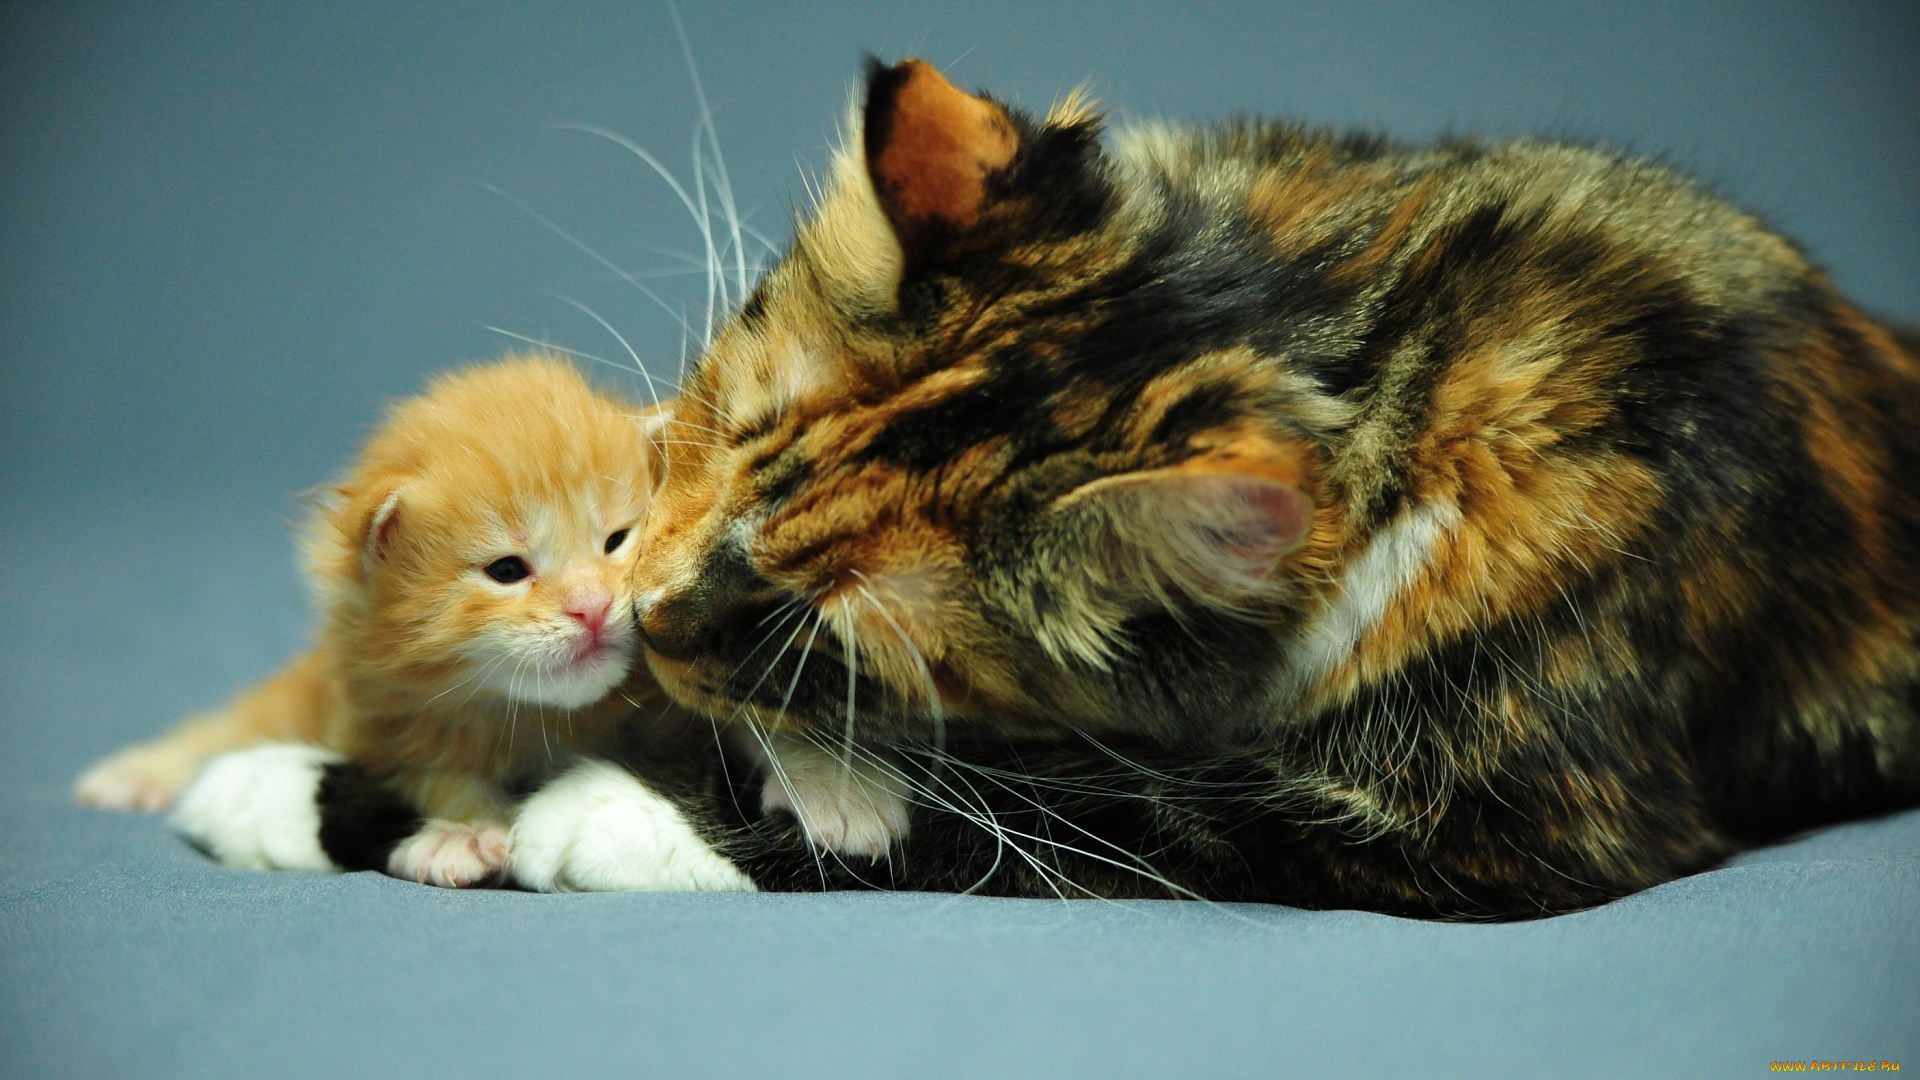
590, 606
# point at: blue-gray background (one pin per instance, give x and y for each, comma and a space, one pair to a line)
230, 234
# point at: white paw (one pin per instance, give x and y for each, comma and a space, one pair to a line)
452, 854
854, 808
143, 778
255, 809
598, 829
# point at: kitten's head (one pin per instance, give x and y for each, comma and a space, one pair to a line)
484, 545
973, 449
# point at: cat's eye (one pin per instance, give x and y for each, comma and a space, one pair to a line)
614, 541
508, 570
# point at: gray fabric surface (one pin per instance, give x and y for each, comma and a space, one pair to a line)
227, 234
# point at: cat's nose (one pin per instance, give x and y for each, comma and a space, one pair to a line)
590, 608
666, 629
721, 610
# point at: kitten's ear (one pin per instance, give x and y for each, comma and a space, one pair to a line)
653, 433
1214, 527
943, 160
374, 523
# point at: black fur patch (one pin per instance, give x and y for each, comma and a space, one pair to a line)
361, 820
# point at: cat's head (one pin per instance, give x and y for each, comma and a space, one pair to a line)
973, 448
483, 548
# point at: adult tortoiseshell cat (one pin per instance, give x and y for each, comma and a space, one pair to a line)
1258, 513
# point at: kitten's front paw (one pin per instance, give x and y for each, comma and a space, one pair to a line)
452, 854
143, 778
860, 809
598, 829
256, 809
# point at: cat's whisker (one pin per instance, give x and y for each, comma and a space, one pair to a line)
1051, 877
677, 422
687, 200
936, 707
724, 186
1133, 862
716, 271
806, 651
653, 391
853, 670
784, 611
779, 775
955, 803
551, 346
760, 238
1130, 861
590, 252
746, 699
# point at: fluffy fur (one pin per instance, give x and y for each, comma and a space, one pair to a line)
474, 574
1256, 512
1259, 512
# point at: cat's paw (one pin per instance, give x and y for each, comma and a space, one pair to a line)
145, 778
257, 809
852, 809
452, 854
597, 828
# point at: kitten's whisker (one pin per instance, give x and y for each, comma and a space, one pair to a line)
450, 689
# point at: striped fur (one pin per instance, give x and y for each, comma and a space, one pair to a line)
1256, 512
1473, 529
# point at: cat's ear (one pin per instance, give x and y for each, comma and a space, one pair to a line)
932, 150
1215, 527
944, 162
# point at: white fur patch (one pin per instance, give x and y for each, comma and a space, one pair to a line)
1394, 559
256, 809
856, 808
598, 829
452, 854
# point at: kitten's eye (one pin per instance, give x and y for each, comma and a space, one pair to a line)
614, 541
508, 570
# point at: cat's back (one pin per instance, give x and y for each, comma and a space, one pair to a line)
1364, 207
1637, 455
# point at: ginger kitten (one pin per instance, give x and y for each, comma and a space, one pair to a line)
473, 574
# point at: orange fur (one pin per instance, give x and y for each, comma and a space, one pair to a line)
448, 684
